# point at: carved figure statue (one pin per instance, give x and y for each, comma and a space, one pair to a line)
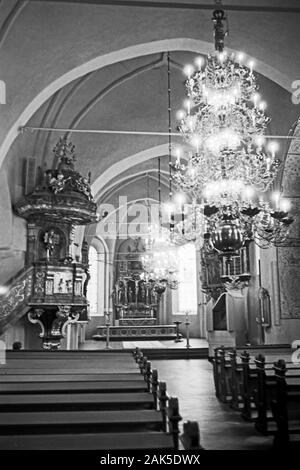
82, 185
49, 241
69, 286
130, 295
60, 285
57, 184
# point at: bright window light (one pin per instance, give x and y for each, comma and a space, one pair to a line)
187, 277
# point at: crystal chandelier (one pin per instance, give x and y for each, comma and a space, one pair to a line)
227, 123
245, 165
231, 166
161, 266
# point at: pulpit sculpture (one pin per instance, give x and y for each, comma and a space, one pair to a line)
61, 201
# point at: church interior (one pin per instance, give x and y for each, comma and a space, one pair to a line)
150, 217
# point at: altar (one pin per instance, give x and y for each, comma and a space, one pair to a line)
136, 299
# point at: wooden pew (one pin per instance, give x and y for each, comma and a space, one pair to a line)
128, 441
11, 376
75, 401
222, 375
40, 423
286, 406
94, 404
266, 392
247, 384
73, 387
79, 421
236, 381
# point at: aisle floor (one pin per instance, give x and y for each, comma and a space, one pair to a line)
191, 380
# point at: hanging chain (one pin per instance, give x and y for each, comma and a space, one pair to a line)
170, 143
169, 126
219, 17
159, 194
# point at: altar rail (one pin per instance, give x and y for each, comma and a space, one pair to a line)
136, 332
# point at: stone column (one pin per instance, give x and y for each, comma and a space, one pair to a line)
289, 254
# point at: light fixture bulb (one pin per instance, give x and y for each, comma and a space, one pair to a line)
180, 115
285, 205
273, 147
199, 62
188, 70
179, 198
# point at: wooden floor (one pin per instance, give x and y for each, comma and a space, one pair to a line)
220, 428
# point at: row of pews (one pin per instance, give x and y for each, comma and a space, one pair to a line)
265, 391
87, 400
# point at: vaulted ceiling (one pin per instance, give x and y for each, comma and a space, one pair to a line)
86, 65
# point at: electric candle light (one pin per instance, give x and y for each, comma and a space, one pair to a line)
248, 192
240, 57
179, 199
262, 105
251, 65
188, 70
187, 104
180, 115
285, 205
255, 99
177, 153
199, 62
259, 140
221, 57
273, 148
276, 198
196, 142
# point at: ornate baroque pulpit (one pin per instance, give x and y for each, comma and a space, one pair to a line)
61, 201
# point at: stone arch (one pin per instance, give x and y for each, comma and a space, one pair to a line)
118, 168
185, 44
